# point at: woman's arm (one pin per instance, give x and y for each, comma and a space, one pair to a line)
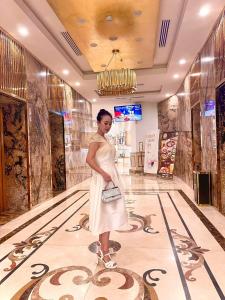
93, 148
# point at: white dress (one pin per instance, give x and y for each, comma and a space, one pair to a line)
105, 216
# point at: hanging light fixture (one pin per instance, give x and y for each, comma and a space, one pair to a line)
116, 82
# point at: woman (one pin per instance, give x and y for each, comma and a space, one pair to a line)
104, 217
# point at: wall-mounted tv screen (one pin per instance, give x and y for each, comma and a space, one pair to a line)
125, 113
209, 109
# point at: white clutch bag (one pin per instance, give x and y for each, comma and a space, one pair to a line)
111, 193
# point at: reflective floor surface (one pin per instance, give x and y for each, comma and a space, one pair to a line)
170, 250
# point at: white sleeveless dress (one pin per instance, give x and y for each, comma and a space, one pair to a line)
105, 216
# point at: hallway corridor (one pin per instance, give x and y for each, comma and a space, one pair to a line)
171, 250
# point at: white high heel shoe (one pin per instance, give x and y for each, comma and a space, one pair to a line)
108, 264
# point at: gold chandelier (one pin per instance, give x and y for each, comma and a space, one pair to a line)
116, 82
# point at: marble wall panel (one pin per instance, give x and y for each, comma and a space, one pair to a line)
194, 77
167, 114
221, 146
219, 49
183, 120
196, 137
56, 93
15, 156
57, 152
207, 91
183, 164
39, 131
77, 124
68, 126
70, 164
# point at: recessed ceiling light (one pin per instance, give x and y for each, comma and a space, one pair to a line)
137, 13
182, 61
81, 21
94, 100
77, 83
139, 39
61, 84
23, 31
113, 38
167, 95
93, 45
80, 101
43, 73
65, 72
204, 11
109, 18
176, 76
207, 59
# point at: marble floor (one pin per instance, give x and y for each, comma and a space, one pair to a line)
170, 250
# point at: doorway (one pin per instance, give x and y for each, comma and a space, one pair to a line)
57, 152
14, 177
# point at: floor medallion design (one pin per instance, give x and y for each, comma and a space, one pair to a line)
113, 247
148, 276
24, 248
192, 254
142, 223
136, 223
68, 280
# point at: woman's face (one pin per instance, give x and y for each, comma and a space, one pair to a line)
105, 124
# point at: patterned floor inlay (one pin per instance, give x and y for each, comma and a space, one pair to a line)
165, 252
217, 235
113, 247
54, 279
27, 223
191, 254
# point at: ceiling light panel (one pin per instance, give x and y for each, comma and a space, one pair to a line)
182, 61
23, 31
204, 11
66, 72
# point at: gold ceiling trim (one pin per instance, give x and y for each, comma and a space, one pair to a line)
97, 27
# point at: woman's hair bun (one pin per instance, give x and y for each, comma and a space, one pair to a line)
102, 112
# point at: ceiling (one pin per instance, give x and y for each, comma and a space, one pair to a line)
98, 27
152, 35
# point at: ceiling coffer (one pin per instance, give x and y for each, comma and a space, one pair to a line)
71, 43
164, 33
